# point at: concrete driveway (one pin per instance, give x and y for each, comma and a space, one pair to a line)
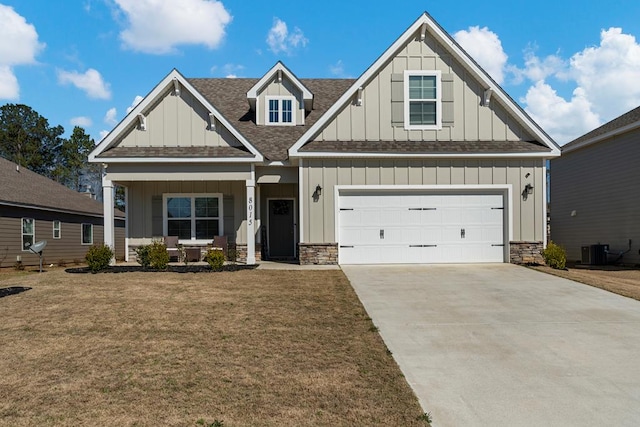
503, 345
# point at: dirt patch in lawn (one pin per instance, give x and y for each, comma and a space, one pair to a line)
620, 280
251, 347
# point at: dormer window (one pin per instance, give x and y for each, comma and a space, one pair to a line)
280, 110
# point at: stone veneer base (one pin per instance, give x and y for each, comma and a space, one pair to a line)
526, 252
318, 253
241, 252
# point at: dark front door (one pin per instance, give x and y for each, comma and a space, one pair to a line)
281, 229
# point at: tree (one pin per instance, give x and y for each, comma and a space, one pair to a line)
27, 139
71, 159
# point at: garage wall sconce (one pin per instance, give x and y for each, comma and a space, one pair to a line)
317, 193
528, 189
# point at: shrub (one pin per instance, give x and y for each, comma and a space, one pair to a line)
154, 255
215, 258
555, 256
99, 257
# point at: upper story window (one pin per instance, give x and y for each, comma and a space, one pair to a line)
422, 100
280, 110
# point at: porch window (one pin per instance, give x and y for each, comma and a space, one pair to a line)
193, 217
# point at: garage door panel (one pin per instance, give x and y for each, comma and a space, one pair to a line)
421, 228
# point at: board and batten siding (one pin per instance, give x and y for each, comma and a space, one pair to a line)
145, 206
319, 219
594, 197
282, 88
469, 121
178, 121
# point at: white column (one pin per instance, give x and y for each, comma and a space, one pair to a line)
251, 222
109, 220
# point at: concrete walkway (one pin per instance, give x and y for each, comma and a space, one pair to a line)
502, 345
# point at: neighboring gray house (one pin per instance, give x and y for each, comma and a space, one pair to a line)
34, 208
423, 158
594, 191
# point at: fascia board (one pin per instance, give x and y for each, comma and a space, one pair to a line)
602, 137
151, 98
461, 56
178, 160
253, 92
318, 154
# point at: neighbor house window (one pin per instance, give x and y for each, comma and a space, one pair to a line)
28, 233
193, 216
87, 234
57, 230
280, 110
422, 101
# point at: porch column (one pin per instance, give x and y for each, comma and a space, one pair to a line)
109, 223
251, 222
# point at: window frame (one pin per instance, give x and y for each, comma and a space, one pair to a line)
22, 233
438, 99
193, 218
58, 229
280, 99
82, 242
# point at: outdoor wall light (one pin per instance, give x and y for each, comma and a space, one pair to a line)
318, 190
528, 189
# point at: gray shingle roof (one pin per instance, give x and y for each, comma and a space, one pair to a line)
26, 188
626, 119
426, 147
229, 96
177, 152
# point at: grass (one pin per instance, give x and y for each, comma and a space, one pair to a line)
252, 347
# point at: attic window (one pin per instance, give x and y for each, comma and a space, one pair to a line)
423, 108
280, 110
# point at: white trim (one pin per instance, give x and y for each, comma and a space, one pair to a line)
149, 101
53, 227
438, 100
176, 160
295, 231
602, 137
300, 197
505, 189
126, 223
82, 243
544, 204
278, 69
280, 98
193, 196
445, 39
320, 154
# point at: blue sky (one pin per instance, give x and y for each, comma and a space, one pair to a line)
572, 65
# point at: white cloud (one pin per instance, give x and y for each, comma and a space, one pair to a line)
536, 69
90, 82
231, 76
563, 120
110, 117
485, 47
19, 45
81, 121
158, 26
280, 40
134, 103
102, 134
337, 69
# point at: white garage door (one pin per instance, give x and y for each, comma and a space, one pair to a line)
387, 228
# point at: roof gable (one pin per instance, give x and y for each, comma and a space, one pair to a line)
276, 72
137, 117
425, 24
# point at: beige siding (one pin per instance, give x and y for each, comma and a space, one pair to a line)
143, 213
283, 88
472, 122
319, 220
178, 121
600, 183
177, 171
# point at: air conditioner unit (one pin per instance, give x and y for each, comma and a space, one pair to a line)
595, 254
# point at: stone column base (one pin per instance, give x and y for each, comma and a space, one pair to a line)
241, 252
526, 252
318, 253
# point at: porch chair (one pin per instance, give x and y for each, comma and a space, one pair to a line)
171, 242
222, 243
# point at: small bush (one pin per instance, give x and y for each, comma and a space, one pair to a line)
99, 257
555, 256
215, 258
158, 255
18, 266
142, 255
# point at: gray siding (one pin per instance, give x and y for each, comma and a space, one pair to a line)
178, 121
68, 249
600, 183
283, 88
466, 119
319, 219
